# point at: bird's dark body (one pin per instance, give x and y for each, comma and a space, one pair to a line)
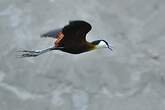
74, 40
77, 49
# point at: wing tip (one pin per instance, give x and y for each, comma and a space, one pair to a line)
51, 33
43, 35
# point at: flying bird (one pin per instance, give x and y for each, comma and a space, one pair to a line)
71, 39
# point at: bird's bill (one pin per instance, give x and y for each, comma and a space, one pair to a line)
110, 48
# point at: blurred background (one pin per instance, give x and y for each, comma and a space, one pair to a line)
131, 77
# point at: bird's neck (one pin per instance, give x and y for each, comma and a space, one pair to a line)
90, 46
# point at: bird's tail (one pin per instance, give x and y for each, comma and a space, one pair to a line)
34, 53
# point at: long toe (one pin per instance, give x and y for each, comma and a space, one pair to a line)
27, 53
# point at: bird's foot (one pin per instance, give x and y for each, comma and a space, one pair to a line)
29, 53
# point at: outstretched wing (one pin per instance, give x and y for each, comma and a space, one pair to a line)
73, 34
52, 33
76, 31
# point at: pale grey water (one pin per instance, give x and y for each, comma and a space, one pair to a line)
132, 77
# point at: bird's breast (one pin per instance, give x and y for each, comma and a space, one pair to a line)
77, 49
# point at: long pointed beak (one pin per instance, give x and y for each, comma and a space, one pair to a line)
110, 48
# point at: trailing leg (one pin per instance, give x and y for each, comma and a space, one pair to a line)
34, 53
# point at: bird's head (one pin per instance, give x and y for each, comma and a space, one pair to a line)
101, 44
